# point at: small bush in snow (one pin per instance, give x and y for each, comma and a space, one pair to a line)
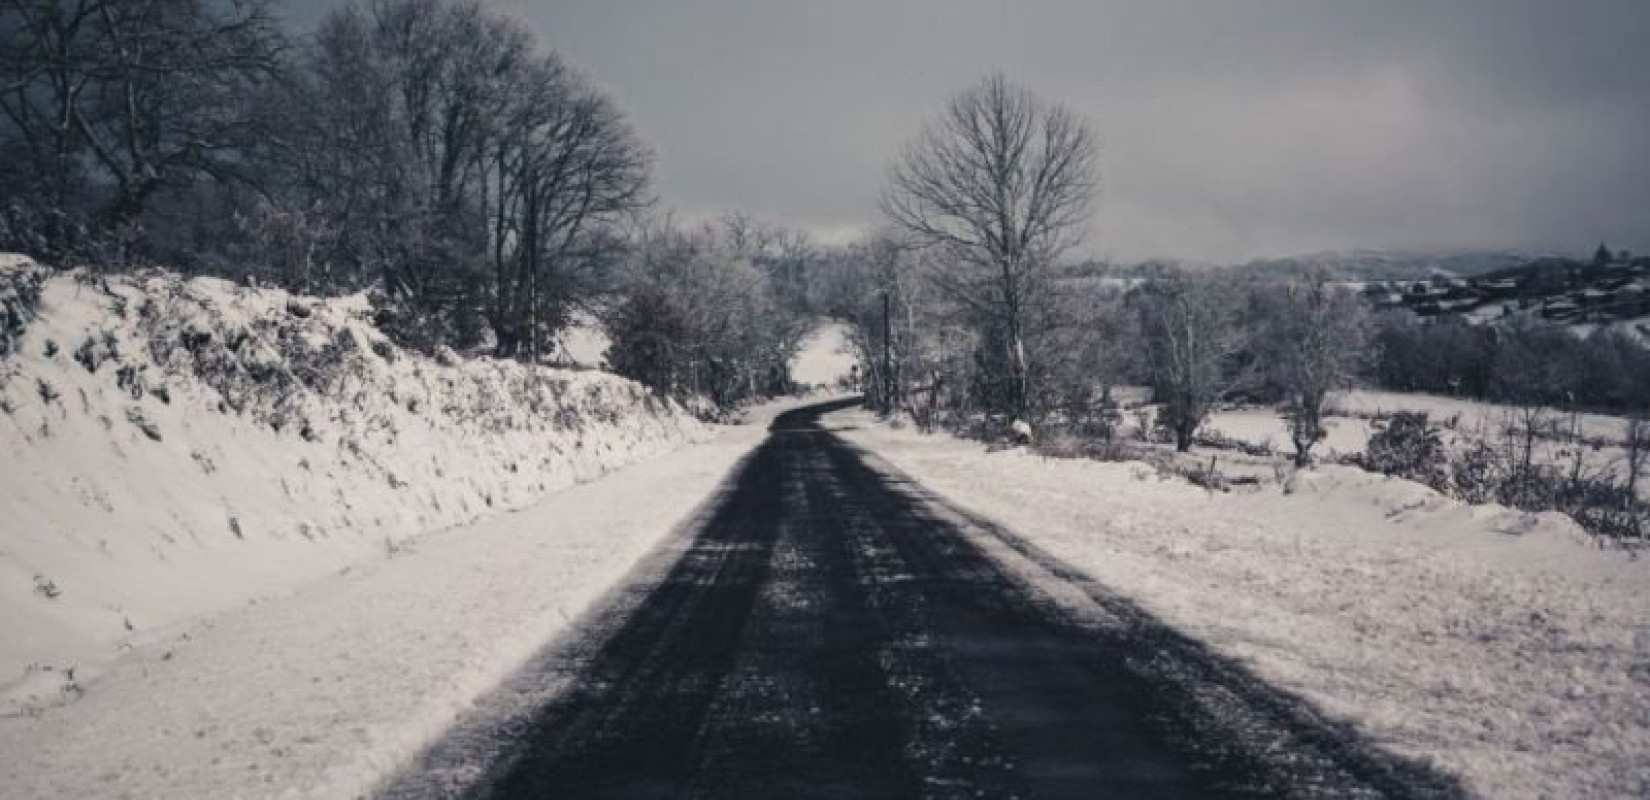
1478, 473
130, 380
20, 290
46, 587
1407, 447
135, 416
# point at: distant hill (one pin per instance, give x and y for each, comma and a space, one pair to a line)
1392, 265
1481, 287
1349, 265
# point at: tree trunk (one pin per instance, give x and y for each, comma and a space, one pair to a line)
888, 391
1183, 432
1020, 384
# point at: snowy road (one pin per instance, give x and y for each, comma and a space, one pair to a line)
830, 629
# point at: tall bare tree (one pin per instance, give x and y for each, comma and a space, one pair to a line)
1193, 348
1000, 184
579, 172
1315, 338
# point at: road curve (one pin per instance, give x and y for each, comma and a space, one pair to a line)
830, 630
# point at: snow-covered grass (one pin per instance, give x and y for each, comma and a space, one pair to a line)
323, 692
176, 448
1462, 414
1500, 644
1353, 415
1350, 415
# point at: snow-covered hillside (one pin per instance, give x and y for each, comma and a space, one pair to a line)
176, 447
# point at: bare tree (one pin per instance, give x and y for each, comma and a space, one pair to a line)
579, 173
1000, 184
1638, 451
1193, 348
115, 100
1316, 336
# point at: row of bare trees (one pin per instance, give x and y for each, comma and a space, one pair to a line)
483, 185
429, 149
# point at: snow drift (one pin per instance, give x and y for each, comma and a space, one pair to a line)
175, 447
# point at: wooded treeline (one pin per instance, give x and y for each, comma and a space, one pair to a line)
487, 195
482, 189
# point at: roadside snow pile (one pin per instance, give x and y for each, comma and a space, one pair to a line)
177, 447
1496, 642
323, 692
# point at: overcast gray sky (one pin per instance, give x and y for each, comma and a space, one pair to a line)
1229, 130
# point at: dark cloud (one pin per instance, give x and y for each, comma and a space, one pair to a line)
1230, 129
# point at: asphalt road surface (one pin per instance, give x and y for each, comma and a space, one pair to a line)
828, 629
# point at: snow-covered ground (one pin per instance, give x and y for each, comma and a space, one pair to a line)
584, 343
1500, 644
826, 357
1463, 414
177, 448
1350, 414
1463, 423
323, 692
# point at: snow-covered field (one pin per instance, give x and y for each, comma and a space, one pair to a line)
1350, 414
177, 448
1462, 422
1500, 644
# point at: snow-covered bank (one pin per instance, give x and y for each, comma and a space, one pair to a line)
324, 691
1499, 644
175, 448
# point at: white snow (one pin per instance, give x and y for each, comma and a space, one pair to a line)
325, 691
584, 343
1499, 644
1266, 426
177, 448
1461, 413
826, 357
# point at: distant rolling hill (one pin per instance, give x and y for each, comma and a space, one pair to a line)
1393, 265
1348, 265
